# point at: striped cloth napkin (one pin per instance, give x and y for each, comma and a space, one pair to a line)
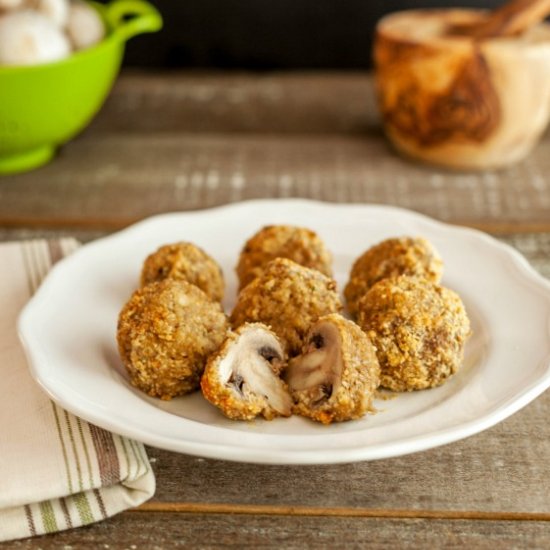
57, 470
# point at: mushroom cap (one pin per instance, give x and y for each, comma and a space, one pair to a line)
335, 377
289, 298
186, 262
29, 38
242, 377
84, 26
55, 10
166, 331
7, 5
419, 329
391, 258
298, 244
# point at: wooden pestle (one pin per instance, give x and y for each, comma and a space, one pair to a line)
510, 19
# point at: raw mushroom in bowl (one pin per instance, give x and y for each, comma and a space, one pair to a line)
44, 31
54, 80
84, 26
6, 5
30, 38
55, 10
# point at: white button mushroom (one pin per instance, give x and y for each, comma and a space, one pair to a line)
7, 5
335, 377
56, 10
84, 27
28, 38
242, 377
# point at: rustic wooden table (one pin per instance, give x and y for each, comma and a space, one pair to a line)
187, 141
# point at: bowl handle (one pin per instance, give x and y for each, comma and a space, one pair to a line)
129, 18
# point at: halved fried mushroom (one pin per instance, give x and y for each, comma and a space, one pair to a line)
242, 378
335, 376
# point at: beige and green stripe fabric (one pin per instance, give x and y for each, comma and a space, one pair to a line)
56, 470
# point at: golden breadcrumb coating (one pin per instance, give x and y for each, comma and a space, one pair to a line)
242, 377
419, 330
166, 331
337, 374
298, 244
186, 262
391, 258
289, 298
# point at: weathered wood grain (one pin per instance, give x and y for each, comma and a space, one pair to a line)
140, 530
333, 512
175, 143
269, 103
536, 248
120, 178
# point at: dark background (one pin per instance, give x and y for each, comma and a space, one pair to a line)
268, 34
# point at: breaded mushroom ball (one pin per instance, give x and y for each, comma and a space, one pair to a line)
298, 244
419, 329
289, 298
243, 379
166, 331
335, 377
391, 258
186, 262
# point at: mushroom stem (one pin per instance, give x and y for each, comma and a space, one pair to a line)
257, 376
320, 365
306, 371
242, 377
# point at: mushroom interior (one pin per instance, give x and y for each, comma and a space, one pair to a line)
319, 369
252, 367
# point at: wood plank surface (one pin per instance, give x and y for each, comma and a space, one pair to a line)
141, 175
229, 103
188, 142
140, 530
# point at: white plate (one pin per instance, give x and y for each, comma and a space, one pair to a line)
68, 331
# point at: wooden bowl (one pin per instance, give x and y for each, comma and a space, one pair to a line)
457, 102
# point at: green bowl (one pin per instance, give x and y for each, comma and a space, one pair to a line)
44, 106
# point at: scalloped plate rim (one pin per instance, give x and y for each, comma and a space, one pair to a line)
269, 456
